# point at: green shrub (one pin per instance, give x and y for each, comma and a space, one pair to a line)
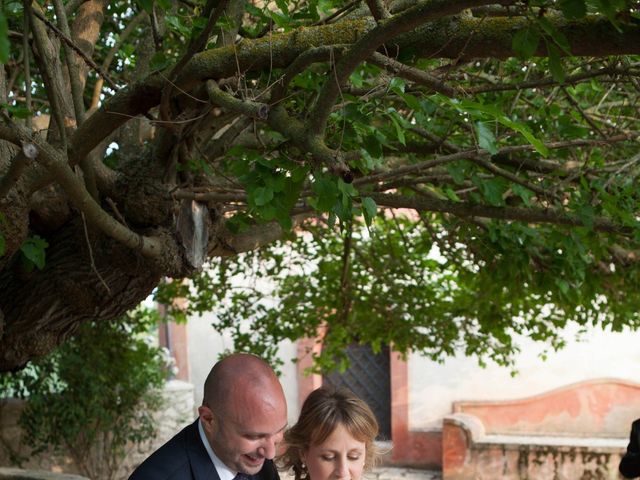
93, 399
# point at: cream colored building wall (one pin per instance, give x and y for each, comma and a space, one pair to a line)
205, 346
433, 387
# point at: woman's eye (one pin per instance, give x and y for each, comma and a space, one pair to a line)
354, 457
327, 458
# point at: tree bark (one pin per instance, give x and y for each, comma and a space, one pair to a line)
77, 284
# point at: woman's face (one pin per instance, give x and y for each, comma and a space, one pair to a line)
339, 457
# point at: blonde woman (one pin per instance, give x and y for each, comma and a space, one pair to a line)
333, 438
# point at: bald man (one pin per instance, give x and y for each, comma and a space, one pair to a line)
242, 418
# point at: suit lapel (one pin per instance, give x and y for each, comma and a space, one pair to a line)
202, 467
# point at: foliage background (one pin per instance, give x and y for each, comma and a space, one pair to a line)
95, 397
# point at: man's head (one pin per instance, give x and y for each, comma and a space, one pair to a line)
244, 412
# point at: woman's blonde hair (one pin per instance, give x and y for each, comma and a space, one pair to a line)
322, 411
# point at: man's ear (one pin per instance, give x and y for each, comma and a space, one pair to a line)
207, 418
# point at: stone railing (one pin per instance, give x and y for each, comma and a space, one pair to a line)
578, 431
18, 474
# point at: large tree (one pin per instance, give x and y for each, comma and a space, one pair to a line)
140, 138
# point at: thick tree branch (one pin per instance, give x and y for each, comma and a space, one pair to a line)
72, 64
404, 22
85, 32
76, 94
254, 237
297, 132
26, 62
308, 57
18, 165
74, 187
52, 74
439, 40
131, 26
214, 13
468, 38
77, 49
611, 70
378, 9
216, 147
251, 109
414, 168
463, 210
510, 176
414, 74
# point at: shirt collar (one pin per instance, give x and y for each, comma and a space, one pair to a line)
223, 471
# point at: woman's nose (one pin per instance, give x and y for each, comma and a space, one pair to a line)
342, 470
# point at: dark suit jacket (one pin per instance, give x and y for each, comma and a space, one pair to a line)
630, 463
185, 458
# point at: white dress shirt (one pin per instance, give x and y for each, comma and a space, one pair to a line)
223, 471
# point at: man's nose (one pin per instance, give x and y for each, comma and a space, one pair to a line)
268, 448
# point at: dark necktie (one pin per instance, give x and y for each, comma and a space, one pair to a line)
242, 476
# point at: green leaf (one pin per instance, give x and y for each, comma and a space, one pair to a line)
469, 106
573, 9
33, 249
326, 191
486, 139
411, 101
563, 285
524, 193
399, 129
492, 190
282, 5
165, 5
253, 10
610, 8
5, 46
586, 214
397, 85
525, 42
176, 24
262, 195
457, 170
146, 5
451, 195
347, 189
556, 35
369, 209
280, 20
159, 61
2, 245
284, 219
19, 111
526, 133
555, 64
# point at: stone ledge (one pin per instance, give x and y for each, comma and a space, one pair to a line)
397, 473
18, 474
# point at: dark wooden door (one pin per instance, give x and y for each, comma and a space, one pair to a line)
369, 378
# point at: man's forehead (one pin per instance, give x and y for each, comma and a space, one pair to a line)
260, 430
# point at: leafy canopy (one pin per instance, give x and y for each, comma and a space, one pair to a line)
440, 175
